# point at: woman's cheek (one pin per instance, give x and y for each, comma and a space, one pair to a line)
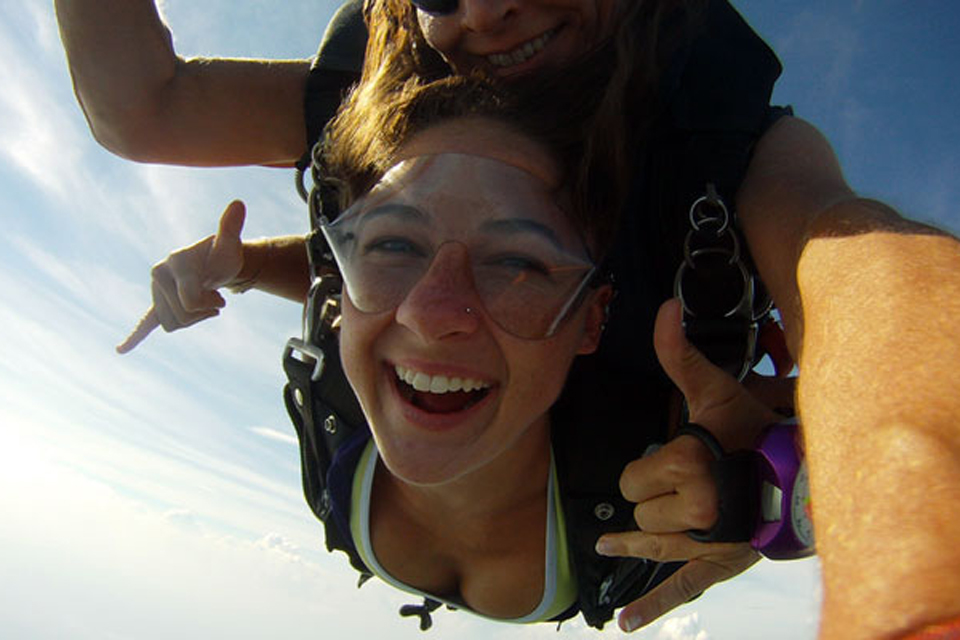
356, 352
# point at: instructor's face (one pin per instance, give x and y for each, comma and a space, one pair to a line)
517, 37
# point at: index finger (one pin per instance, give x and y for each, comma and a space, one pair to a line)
147, 323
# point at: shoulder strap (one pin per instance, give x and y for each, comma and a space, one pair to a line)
720, 106
335, 69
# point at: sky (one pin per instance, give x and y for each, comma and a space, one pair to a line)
157, 494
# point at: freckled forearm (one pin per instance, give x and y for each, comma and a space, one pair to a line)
879, 396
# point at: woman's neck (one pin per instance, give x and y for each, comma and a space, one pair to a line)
514, 481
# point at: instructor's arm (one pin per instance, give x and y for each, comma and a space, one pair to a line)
146, 103
870, 302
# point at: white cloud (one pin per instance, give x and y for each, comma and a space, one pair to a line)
682, 628
35, 109
829, 48
273, 434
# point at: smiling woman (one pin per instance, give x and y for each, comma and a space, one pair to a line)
444, 307
470, 286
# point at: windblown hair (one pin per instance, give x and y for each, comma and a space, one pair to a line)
363, 141
590, 116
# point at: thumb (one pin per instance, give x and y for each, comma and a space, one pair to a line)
714, 398
226, 254
697, 378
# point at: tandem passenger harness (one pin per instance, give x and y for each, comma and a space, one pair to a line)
712, 124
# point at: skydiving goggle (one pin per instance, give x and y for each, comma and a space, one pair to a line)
436, 7
528, 266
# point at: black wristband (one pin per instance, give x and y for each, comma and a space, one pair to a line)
737, 483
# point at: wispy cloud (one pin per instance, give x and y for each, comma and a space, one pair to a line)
682, 628
829, 47
273, 434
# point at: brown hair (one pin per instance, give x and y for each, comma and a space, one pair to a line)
589, 116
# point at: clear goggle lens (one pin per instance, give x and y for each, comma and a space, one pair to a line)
526, 267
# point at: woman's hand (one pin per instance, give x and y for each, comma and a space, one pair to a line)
185, 283
673, 487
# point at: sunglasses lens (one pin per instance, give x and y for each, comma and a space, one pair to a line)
436, 7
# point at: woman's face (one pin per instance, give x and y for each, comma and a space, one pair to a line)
406, 363
514, 37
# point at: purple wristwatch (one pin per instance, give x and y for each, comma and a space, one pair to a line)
764, 495
784, 530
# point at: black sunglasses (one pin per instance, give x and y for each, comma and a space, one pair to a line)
436, 7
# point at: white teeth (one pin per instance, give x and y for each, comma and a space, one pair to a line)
522, 53
421, 382
438, 384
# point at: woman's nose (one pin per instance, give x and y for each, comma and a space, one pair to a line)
444, 302
486, 15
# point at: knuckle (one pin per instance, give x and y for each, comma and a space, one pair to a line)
703, 514
653, 548
702, 507
680, 466
191, 302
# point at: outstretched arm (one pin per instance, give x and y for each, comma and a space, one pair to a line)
870, 303
146, 103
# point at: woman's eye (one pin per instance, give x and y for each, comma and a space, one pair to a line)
394, 246
526, 264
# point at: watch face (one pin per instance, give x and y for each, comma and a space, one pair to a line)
800, 507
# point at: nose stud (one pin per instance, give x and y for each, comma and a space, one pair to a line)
469, 310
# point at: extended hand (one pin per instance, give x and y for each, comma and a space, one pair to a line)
185, 283
673, 487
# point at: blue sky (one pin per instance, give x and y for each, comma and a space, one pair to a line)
157, 495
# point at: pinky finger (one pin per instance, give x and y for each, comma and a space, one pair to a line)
147, 324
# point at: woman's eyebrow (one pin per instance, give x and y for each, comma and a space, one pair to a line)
512, 226
404, 212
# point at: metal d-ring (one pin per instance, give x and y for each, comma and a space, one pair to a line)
734, 250
714, 200
746, 298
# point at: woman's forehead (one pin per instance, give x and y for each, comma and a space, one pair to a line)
487, 138
458, 182
470, 192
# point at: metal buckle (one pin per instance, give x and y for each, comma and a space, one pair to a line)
298, 346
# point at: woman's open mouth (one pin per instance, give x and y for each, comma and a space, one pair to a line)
439, 394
